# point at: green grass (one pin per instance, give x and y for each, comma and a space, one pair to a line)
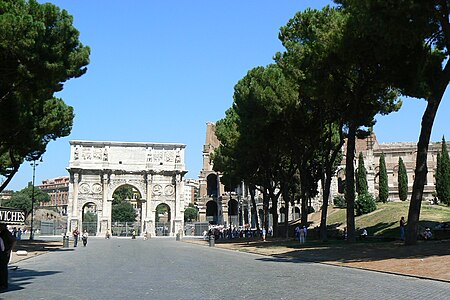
384, 222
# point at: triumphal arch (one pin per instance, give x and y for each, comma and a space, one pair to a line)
155, 171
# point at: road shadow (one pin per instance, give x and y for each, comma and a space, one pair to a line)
19, 278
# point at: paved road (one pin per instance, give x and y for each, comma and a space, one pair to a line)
167, 269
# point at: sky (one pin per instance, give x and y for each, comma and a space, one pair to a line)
160, 70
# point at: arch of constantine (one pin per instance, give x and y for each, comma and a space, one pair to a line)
155, 172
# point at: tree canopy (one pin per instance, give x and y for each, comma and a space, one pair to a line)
351, 89
443, 174
409, 40
22, 199
123, 210
342, 66
190, 214
402, 180
361, 175
40, 50
383, 188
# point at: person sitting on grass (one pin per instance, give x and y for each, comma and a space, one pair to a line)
363, 234
427, 235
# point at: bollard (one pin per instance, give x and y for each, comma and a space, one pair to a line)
212, 241
65, 241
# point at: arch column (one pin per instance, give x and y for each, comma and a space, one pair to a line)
105, 220
149, 219
178, 207
74, 218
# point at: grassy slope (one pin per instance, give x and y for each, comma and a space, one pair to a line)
385, 220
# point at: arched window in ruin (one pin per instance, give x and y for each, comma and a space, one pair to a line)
211, 182
211, 212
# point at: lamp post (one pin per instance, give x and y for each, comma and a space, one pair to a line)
33, 164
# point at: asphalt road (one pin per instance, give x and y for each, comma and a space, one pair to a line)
167, 269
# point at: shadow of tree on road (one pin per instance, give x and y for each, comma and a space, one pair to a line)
19, 278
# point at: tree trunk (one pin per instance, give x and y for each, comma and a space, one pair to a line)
9, 178
304, 205
350, 182
326, 195
286, 211
412, 226
274, 199
266, 212
252, 190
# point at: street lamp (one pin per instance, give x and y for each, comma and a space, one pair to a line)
33, 164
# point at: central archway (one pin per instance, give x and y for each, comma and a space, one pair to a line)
126, 211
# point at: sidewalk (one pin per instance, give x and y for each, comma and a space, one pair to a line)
429, 259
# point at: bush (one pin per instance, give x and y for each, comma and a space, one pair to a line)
365, 204
339, 201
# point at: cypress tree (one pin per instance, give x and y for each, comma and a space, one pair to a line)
383, 189
438, 175
402, 180
443, 175
361, 174
365, 203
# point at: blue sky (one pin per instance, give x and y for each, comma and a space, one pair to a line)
161, 69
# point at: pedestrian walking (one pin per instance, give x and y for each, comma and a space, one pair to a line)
297, 233
75, 234
3, 267
7, 242
84, 237
302, 236
402, 228
305, 233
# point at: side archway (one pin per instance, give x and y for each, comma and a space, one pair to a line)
162, 220
233, 212
89, 218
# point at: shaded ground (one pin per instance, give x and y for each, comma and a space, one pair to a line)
429, 259
33, 248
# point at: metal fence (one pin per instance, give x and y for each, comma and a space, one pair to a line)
195, 228
90, 227
52, 227
125, 228
162, 228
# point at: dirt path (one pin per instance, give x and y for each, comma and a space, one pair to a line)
427, 259
33, 248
